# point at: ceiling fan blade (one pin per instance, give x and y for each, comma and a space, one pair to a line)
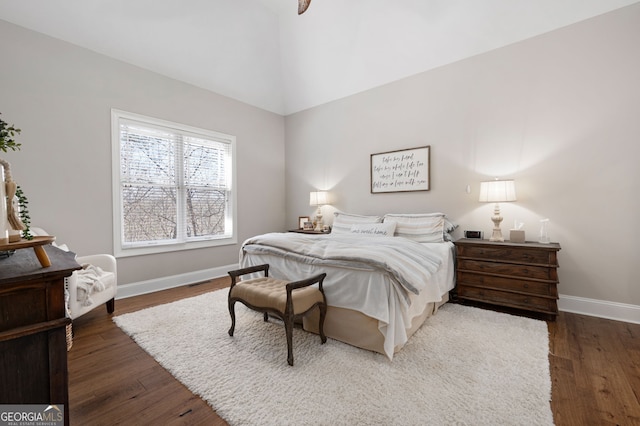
303, 5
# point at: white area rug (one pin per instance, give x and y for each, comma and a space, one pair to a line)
465, 366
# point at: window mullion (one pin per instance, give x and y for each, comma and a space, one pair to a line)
181, 192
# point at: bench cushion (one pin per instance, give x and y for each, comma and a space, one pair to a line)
267, 292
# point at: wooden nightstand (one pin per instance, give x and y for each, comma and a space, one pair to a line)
523, 276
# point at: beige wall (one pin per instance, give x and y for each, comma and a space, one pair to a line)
61, 96
558, 113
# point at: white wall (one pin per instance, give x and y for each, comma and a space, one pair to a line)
558, 113
61, 96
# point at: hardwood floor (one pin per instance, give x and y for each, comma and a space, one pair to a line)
112, 381
595, 371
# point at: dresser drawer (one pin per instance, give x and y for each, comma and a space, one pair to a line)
513, 270
509, 254
523, 301
505, 283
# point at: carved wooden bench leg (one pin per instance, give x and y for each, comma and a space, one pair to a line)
323, 314
232, 312
288, 327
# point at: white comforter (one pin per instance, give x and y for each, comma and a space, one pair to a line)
387, 278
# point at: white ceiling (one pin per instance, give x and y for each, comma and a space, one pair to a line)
263, 53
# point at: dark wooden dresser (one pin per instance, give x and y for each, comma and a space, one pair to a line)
522, 276
33, 346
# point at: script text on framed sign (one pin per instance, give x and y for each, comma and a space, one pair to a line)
401, 171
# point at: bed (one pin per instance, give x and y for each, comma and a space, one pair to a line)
385, 275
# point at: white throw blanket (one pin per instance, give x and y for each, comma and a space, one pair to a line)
411, 264
91, 279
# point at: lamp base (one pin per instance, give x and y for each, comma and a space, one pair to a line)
496, 235
319, 222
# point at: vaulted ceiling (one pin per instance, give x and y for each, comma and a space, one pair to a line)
263, 53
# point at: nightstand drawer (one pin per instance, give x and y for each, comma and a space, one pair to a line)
509, 254
531, 303
513, 270
505, 283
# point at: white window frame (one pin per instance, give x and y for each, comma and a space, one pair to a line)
118, 234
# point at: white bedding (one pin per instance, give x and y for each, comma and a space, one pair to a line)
362, 273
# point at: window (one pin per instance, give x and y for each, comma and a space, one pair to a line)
173, 186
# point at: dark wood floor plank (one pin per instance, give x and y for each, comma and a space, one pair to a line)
595, 371
599, 361
601, 371
613, 377
567, 401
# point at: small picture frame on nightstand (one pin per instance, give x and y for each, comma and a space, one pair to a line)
302, 220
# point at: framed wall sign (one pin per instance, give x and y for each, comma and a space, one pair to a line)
401, 171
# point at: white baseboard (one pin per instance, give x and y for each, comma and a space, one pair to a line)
165, 283
577, 305
600, 308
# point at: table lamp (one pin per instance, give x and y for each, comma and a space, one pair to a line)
497, 191
318, 199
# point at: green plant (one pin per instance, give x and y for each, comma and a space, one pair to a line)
23, 211
7, 134
7, 142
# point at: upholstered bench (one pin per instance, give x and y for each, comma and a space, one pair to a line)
283, 299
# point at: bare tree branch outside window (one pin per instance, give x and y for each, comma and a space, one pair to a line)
174, 187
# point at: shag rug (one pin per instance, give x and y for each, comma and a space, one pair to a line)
464, 366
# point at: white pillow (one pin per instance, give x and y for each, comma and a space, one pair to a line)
423, 228
342, 221
374, 229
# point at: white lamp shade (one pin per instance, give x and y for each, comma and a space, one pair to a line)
318, 198
497, 191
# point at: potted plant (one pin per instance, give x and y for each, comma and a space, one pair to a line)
16, 218
7, 134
